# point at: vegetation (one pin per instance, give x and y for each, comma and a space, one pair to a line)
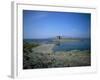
32, 59
27, 49
28, 46
37, 59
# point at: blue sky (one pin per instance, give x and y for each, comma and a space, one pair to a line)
46, 24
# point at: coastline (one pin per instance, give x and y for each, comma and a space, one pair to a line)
42, 56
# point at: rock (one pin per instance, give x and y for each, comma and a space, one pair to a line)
44, 48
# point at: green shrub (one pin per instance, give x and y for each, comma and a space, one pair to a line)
29, 46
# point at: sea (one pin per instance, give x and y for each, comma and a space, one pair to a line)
82, 44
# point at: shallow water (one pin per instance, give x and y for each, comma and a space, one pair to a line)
73, 45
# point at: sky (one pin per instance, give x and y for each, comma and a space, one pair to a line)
47, 24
